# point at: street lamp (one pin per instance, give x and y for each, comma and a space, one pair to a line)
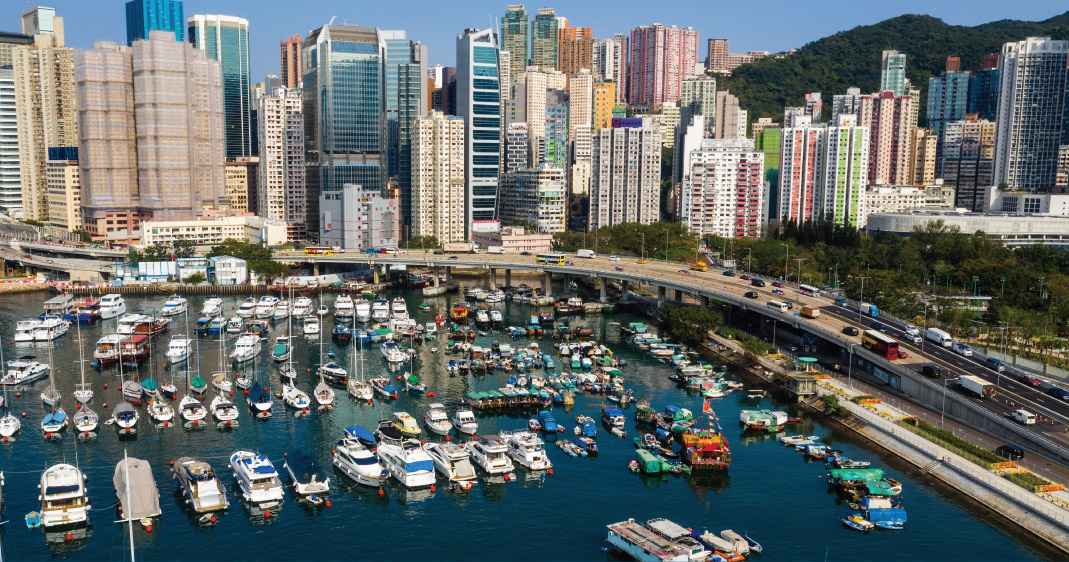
749, 261
797, 298
850, 368
998, 372
666, 246
860, 300
642, 251
1041, 279
785, 260
1002, 291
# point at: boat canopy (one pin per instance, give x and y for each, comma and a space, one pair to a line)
870, 474
360, 433
879, 488
420, 466
888, 515
143, 498
258, 393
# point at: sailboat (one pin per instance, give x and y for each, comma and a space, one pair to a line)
125, 418
189, 407
221, 407
9, 424
51, 396
84, 392
149, 387
139, 499
221, 379
283, 352
358, 387
293, 396
56, 420
324, 395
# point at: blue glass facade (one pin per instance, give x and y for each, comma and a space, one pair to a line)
227, 41
479, 103
983, 94
948, 99
143, 16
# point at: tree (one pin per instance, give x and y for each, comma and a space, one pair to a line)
156, 251
419, 242
690, 325
82, 235
183, 248
269, 270
194, 278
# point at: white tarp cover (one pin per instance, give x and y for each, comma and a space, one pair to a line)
144, 499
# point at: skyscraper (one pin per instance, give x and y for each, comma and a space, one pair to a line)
844, 172
1031, 112
479, 103
10, 175
893, 72
580, 101
281, 172
143, 16
626, 176
968, 161
438, 195
730, 120
983, 89
406, 100
555, 143
661, 58
575, 49
514, 40
226, 39
801, 150
923, 158
537, 196
723, 194
948, 97
888, 118
544, 38
701, 91
289, 61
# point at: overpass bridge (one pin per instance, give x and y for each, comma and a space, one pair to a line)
672, 283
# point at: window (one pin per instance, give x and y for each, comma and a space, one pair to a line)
484, 84
484, 55
485, 109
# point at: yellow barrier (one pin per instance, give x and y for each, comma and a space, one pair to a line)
1050, 488
1004, 465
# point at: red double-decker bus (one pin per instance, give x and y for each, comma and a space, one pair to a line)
880, 344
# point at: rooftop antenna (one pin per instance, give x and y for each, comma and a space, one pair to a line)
332, 18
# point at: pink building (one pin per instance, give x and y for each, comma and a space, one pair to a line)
889, 119
800, 150
661, 58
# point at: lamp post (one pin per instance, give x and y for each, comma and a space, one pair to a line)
861, 299
975, 296
1041, 279
749, 261
797, 298
850, 368
1002, 291
642, 251
666, 246
1004, 329
785, 260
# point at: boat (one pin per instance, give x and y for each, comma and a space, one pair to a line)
57, 306
363, 310
265, 307
659, 540
111, 306
310, 325
308, 478
191, 409
202, 488
526, 448
85, 312
64, 501
24, 370
160, 411
198, 385
754, 545
413, 384
407, 463
257, 478
174, 306
85, 419
135, 488
125, 417
246, 348
282, 350
549, 423
24, 330
353, 458
302, 306
341, 333
491, 454
282, 310
260, 402
392, 353
453, 462
437, 420
398, 308
247, 309
586, 427
464, 421
235, 325
406, 424
54, 421
382, 387
380, 310
223, 409
212, 307
134, 350
764, 420
151, 325
324, 395
179, 349
9, 423
857, 523
50, 328
343, 308
892, 518
107, 350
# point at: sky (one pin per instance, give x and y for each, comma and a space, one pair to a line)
770, 25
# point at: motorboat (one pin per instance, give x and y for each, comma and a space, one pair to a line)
404, 422
295, 397
160, 411
302, 306
437, 420
341, 333
380, 310
257, 478
464, 421
223, 409
125, 418
24, 330
495, 296
333, 373
528, 449
126, 324
363, 310
55, 421
282, 310
107, 350
246, 348
408, 463
212, 307
58, 306
111, 306
135, 488
392, 353
260, 402
398, 308
64, 501
174, 306
151, 325
191, 409
322, 311
265, 308
382, 387
134, 350
282, 349
247, 309
24, 370
235, 325
202, 488
491, 454
308, 478
85, 312
50, 328
452, 461
496, 317
180, 349
343, 308
310, 325
354, 458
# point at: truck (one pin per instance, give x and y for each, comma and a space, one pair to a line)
589, 254
869, 309
935, 335
698, 266
977, 386
460, 248
810, 312
495, 250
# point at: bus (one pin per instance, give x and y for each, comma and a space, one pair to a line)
551, 259
319, 250
880, 344
778, 305
809, 290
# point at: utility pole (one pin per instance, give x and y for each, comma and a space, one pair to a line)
785, 260
861, 300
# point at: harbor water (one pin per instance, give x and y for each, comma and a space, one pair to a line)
769, 491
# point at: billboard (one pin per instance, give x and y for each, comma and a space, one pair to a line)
627, 123
486, 226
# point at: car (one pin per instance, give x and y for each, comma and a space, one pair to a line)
452, 257
903, 354
618, 268
685, 271
640, 260
729, 272
1010, 452
777, 283
402, 251
439, 252
1058, 392
995, 364
778, 292
878, 326
1029, 380
757, 282
525, 253
850, 331
614, 258
751, 294
744, 277
569, 263
931, 371
790, 305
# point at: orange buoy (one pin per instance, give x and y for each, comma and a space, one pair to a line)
196, 422
105, 404
328, 504
24, 414
87, 433
246, 392
172, 463
228, 422
369, 402
506, 478
48, 435
166, 423
381, 493
231, 392
474, 437
213, 519
551, 472
70, 537
105, 386
148, 528
448, 438
267, 514
432, 489
17, 394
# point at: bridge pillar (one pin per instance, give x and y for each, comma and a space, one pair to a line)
603, 285
375, 274
508, 277
493, 279
625, 288
315, 268
679, 296
705, 301
449, 274
661, 293
568, 281
549, 283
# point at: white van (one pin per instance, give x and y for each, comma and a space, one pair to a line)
589, 254
495, 250
962, 349
913, 334
939, 336
1025, 417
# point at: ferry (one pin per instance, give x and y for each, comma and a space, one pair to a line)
174, 306
63, 498
112, 306
59, 306
85, 311
107, 350
204, 492
257, 478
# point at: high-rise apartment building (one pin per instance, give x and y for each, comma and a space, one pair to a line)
716, 54
289, 61
582, 154
281, 193
145, 16
517, 147
64, 189
544, 38
801, 150
580, 101
604, 101
844, 172
888, 117
626, 176
575, 50
661, 58
983, 89
846, 104
438, 194
1031, 112
701, 91
968, 161
226, 39
893, 72
8, 41
478, 102
724, 193
45, 104
610, 63
767, 140
730, 120
514, 40
537, 196
527, 103
923, 158
554, 145
10, 173
948, 96
241, 177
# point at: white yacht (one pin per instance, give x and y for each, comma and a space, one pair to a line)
112, 306
235, 325
343, 308
363, 310
302, 306
308, 479
223, 409
528, 449
107, 350
257, 478
399, 308
127, 324
266, 307
50, 329
380, 310
322, 311
160, 411
392, 353
213, 306
282, 310
310, 325
24, 370
496, 317
452, 461
353, 459
180, 349
437, 420
246, 348
64, 501
125, 418
86, 420
203, 491
24, 330
491, 454
247, 309
495, 296
408, 463
465, 422
191, 409
174, 306
295, 397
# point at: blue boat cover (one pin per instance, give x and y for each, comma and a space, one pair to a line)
304, 467
258, 393
55, 417
888, 515
614, 412
360, 433
420, 466
389, 388
264, 469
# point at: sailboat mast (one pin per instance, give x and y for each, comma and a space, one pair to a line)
81, 350
129, 518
